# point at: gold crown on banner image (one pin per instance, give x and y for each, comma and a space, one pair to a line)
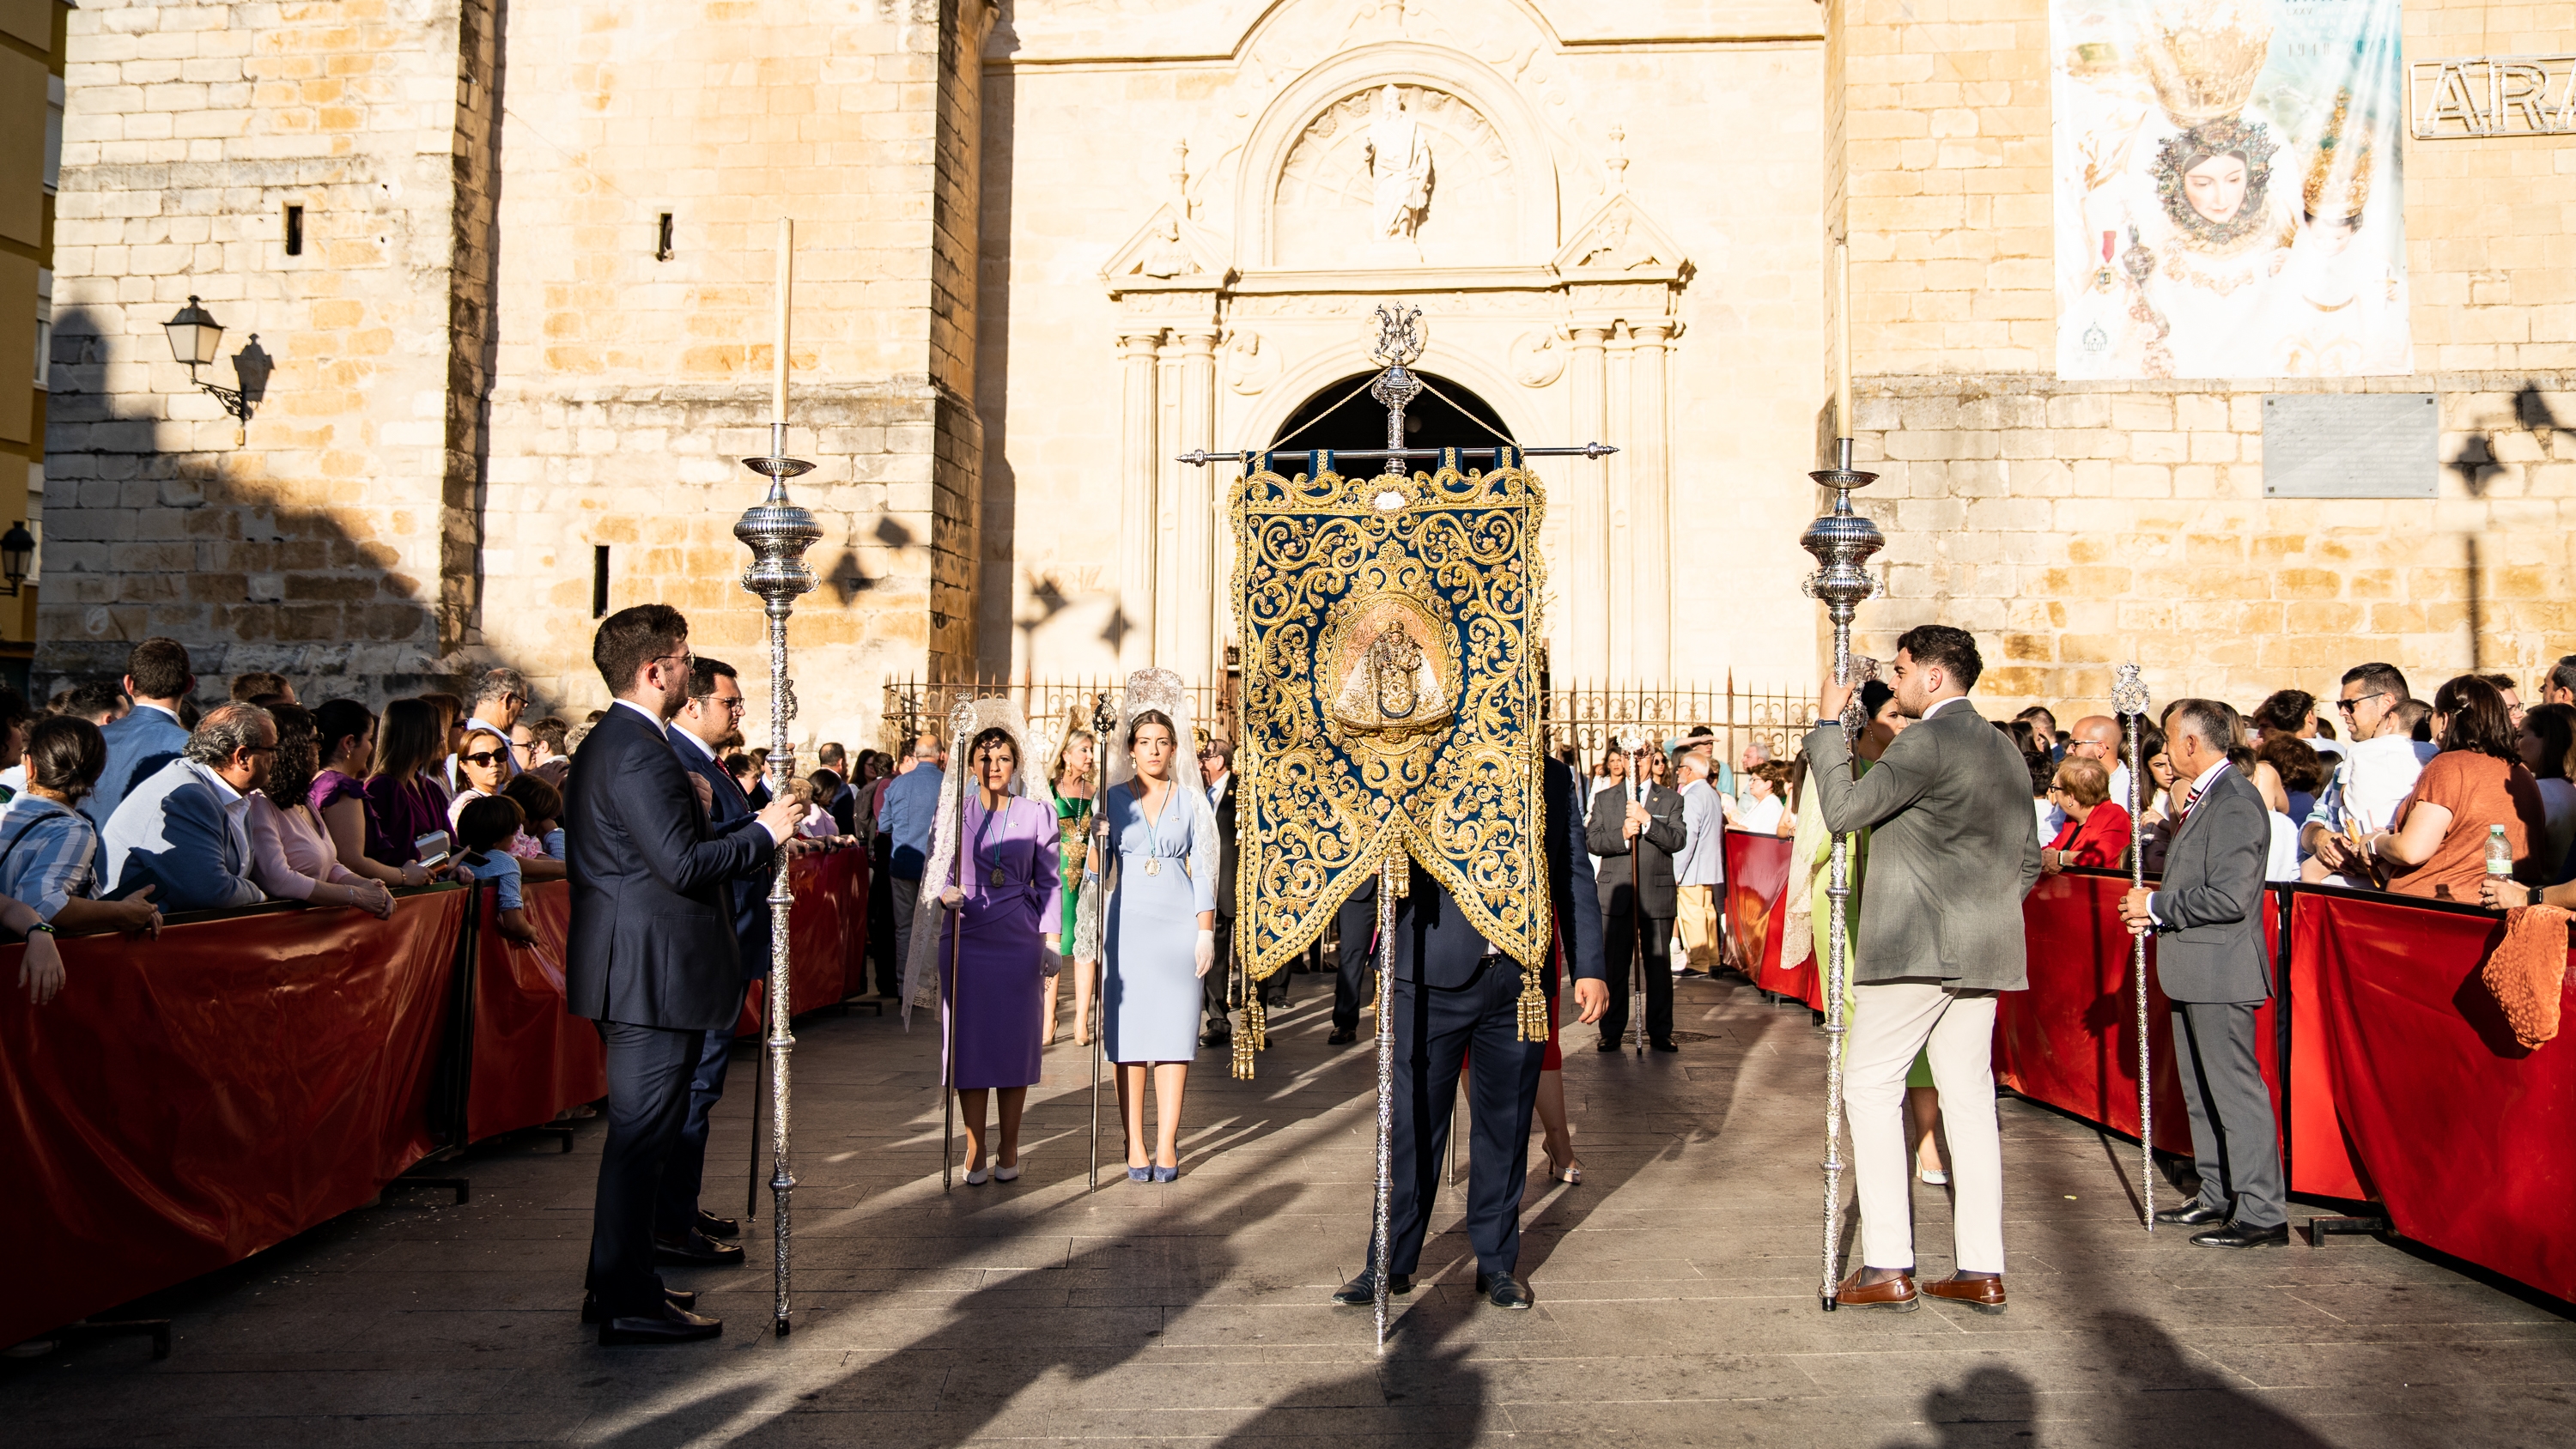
2203, 56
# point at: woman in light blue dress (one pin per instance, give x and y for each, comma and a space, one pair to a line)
1159, 938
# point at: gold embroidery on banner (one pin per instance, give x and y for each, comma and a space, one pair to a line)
1390, 700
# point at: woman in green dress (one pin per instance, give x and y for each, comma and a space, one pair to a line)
1069, 785
1812, 857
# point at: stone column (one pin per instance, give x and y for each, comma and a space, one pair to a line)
1650, 578
1626, 543
1192, 598
1585, 590
1137, 523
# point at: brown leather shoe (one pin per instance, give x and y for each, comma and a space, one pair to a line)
1897, 1293
1986, 1295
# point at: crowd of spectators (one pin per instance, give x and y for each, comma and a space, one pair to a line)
119, 801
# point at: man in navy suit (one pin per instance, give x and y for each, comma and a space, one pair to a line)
157, 679
705, 726
651, 954
1452, 990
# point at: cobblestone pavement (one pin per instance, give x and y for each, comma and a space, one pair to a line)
1675, 1286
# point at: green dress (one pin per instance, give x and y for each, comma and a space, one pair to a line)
1073, 832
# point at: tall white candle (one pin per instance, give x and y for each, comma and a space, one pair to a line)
1842, 341
786, 288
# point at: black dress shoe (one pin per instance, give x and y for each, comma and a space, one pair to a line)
1361, 1292
1609, 1044
2196, 1214
1342, 1036
1664, 1046
2232, 1236
676, 1297
676, 1325
696, 1250
1504, 1291
1216, 1038
716, 1227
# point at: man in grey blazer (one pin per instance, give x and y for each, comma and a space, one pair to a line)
1951, 854
2213, 966
1635, 827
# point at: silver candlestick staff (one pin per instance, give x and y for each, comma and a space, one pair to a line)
778, 532
1842, 542
2129, 698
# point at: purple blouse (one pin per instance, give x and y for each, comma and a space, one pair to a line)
330, 788
398, 814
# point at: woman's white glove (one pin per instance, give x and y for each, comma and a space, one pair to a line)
1050, 956
1206, 951
952, 898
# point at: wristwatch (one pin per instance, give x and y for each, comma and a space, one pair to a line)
41, 928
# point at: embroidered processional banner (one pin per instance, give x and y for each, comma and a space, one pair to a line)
1390, 697
2228, 199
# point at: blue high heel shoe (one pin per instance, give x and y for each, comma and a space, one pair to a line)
1167, 1174
1140, 1174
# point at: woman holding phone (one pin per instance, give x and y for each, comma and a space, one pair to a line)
405, 808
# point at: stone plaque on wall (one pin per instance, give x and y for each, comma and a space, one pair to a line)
2350, 445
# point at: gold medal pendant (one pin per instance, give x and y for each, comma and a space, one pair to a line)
1153, 865
997, 875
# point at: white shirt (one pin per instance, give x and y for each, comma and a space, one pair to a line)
2200, 787
1216, 792
2374, 779
660, 725
704, 748
1762, 817
2120, 786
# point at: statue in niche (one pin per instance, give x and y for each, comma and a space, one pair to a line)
1399, 167
1169, 256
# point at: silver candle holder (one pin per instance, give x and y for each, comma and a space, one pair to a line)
778, 532
1842, 542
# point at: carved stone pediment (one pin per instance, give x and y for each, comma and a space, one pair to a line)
1620, 242
1169, 253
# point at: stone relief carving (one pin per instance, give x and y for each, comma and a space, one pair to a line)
1537, 358
1399, 167
1169, 256
1357, 184
1249, 365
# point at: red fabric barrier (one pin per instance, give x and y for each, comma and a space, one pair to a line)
2468, 1140
2321, 1159
827, 932
531, 1058
2069, 1040
188, 1101
1757, 883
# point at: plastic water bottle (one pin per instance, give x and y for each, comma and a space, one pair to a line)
2499, 852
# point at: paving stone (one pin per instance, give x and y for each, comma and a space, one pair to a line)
1676, 1296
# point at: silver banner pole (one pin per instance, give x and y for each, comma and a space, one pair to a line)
2129, 697
778, 532
1842, 542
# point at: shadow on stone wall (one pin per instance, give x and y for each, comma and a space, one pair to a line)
201, 545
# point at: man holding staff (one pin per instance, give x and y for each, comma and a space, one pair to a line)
1951, 854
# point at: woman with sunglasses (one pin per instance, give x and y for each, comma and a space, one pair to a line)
483, 768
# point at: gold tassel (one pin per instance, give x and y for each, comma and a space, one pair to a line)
1533, 1006
1249, 1038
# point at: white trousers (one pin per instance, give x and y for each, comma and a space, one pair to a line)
1956, 1030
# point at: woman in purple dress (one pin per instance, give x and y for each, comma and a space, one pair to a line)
1003, 896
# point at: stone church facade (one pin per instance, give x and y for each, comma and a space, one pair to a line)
1044, 247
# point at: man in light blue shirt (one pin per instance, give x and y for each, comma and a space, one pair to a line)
182, 830
157, 678
904, 815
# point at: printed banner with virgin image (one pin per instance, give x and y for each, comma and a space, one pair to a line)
2228, 200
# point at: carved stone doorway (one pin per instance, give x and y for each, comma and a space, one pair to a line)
1341, 416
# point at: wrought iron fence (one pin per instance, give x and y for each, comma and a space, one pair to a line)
912, 705
1591, 716
1587, 716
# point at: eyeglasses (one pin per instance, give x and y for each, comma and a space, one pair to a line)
2349, 705
684, 659
483, 757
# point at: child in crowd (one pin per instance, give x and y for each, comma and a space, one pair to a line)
543, 837
484, 827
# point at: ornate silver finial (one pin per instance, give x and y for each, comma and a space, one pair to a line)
1399, 336
2129, 692
1399, 341
1631, 742
1842, 542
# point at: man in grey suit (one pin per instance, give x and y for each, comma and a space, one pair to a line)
2213, 966
1951, 854
1636, 828
181, 830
